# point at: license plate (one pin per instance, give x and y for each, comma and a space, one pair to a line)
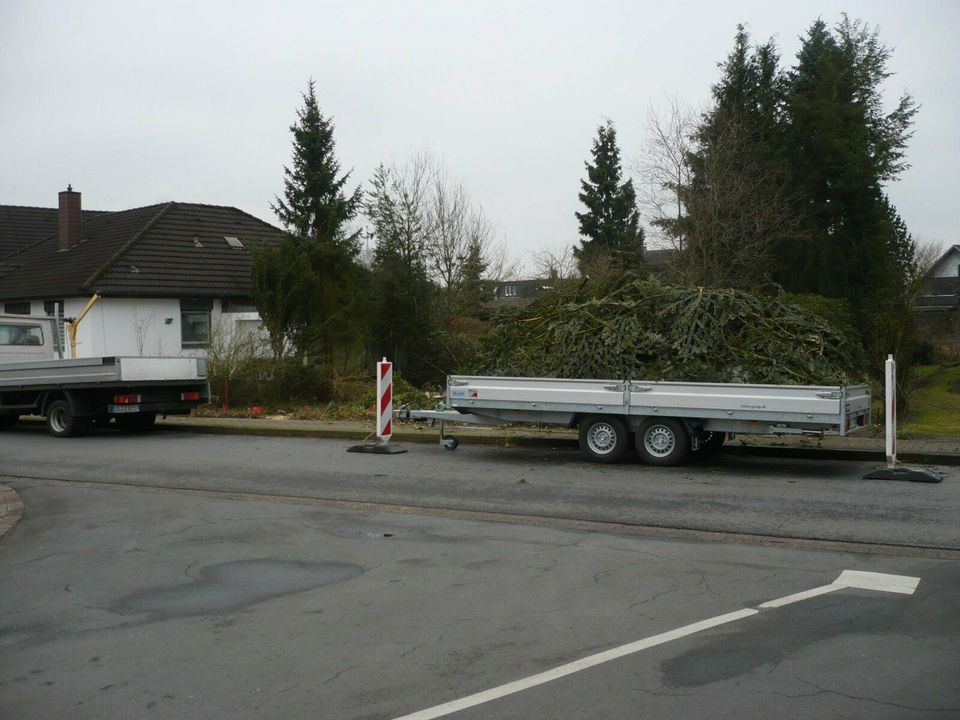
121, 409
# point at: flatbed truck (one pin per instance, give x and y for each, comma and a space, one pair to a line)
72, 394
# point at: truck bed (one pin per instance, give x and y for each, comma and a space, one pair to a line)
84, 372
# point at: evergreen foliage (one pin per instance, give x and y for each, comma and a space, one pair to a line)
842, 147
308, 289
610, 226
314, 203
645, 329
402, 295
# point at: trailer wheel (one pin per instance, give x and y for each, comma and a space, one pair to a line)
450, 443
603, 438
60, 423
662, 442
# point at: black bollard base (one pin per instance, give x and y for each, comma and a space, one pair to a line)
924, 475
377, 448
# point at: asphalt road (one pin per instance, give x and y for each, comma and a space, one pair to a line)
125, 593
762, 496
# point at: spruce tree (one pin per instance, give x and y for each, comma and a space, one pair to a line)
610, 227
308, 289
842, 147
315, 204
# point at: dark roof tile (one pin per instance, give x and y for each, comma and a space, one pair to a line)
148, 251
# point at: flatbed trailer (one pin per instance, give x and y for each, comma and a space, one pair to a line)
665, 421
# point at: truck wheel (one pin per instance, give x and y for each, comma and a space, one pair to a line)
603, 438
60, 423
139, 422
662, 442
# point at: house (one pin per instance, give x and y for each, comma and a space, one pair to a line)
169, 276
517, 293
941, 289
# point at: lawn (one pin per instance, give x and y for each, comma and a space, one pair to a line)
935, 404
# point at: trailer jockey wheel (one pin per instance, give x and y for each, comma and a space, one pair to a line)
603, 438
662, 442
449, 443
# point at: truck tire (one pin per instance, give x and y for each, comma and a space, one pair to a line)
136, 423
662, 442
61, 423
603, 438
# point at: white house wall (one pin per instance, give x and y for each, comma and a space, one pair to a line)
151, 327
122, 326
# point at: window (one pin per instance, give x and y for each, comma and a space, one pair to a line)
17, 308
509, 290
233, 242
195, 322
21, 335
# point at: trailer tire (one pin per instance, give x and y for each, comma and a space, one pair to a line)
663, 442
62, 423
603, 438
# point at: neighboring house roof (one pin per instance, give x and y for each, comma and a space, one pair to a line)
941, 288
22, 226
946, 270
168, 250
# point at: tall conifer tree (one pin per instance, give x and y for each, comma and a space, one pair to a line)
315, 204
611, 224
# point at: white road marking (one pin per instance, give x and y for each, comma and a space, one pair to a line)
847, 579
880, 582
575, 666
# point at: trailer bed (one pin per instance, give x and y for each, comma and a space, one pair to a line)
737, 407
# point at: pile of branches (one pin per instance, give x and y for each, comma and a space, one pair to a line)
645, 329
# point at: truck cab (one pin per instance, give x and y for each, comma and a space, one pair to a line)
24, 338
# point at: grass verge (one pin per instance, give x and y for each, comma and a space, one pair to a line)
935, 404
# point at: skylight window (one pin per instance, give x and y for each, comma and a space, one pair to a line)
232, 241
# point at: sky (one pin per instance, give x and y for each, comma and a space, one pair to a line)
135, 103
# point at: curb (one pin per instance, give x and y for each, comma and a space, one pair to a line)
528, 441
11, 509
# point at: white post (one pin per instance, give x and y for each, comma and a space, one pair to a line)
384, 400
891, 411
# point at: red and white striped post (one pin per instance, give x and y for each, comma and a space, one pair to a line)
384, 400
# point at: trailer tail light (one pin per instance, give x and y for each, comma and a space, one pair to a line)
126, 399
190, 396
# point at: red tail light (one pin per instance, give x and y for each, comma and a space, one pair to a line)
190, 396
126, 399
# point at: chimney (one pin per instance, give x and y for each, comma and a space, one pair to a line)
69, 218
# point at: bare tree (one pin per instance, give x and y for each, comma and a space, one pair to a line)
663, 168
738, 209
555, 264
430, 216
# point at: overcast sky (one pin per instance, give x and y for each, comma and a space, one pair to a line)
136, 103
